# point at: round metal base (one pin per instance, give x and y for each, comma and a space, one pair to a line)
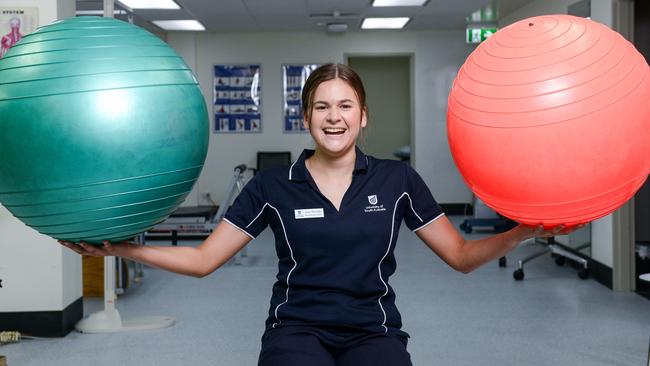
110, 322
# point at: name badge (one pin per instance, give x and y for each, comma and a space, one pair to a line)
309, 213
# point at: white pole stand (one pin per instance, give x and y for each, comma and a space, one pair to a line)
109, 320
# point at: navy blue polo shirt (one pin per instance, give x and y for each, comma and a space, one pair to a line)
334, 265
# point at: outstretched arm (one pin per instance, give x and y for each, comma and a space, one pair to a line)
224, 242
467, 255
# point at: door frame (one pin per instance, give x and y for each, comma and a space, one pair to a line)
411, 58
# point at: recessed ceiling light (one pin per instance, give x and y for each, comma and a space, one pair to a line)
399, 2
384, 23
179, 25
150, 4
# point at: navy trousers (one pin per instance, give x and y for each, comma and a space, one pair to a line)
318, 346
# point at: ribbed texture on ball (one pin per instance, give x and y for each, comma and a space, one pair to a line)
104, 130
549, 122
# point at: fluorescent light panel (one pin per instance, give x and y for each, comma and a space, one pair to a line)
384, 23
179, 25
150, 4
398, 2
99, 12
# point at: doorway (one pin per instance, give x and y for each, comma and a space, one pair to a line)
387, 80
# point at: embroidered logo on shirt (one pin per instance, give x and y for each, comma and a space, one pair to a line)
372, 199
373, 205
309, 213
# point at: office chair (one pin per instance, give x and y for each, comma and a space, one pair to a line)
561, 253
268, 159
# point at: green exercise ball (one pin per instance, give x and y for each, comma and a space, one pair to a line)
104, 130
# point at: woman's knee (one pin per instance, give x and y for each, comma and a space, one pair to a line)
287, 348
380, 349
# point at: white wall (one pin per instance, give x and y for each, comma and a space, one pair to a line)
601, 11
602, 230
37, 273
48, 10
65, 9
438, 55
536, 8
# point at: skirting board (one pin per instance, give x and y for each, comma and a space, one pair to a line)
600, 273
43, 323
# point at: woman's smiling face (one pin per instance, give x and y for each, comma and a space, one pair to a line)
336, 117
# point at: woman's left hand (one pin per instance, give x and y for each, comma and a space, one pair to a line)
529, 231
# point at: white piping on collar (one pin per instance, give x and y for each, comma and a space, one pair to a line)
291, 168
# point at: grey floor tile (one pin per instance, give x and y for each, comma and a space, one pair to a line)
482, 318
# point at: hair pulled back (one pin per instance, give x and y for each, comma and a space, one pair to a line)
329, 72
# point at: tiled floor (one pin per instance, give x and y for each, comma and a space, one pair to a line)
483, 318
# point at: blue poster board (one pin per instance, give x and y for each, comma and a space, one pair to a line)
293, 79
237, 99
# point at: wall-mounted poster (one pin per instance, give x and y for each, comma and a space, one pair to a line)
15, 23
293, 79
237, 99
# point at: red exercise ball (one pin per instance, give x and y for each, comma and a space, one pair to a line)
549, 121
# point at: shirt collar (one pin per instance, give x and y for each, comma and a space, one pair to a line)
298, 170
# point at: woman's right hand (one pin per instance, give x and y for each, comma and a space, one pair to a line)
107, 249
198, 261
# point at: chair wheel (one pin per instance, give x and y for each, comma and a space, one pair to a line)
583, 274
559, 260
503, 262
518, 274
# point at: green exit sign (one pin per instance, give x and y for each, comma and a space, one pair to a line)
478, 35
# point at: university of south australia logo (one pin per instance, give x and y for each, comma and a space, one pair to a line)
374, 207
372, 199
